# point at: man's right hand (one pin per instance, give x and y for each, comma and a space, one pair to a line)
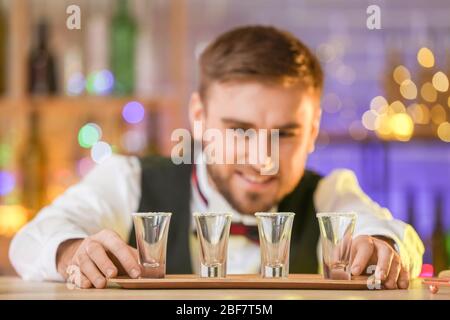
100, 256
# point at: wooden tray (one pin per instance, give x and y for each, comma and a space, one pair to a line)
249, 281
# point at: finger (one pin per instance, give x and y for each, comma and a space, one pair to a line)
394, 271
76, 278
89, 269
363, 250
98, 254
112, 242
384, 259
83, 282
403, 278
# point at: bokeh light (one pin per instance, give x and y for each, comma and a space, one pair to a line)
370, 120
100, 152
133, 112
443, 131
425, 57
100, 82
419, 113
428, 92
75, 84
345, 74
89, 134
440, 81
402, 126
84, 166
134, 141
408, 89
7, 182
12, 218
326, 52
438, 114
401, 73
379, 104
5, 154
397, 106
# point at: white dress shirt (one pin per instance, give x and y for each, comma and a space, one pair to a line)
106, 197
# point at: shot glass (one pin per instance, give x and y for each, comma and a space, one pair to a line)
213, 230
152, 229
336, 232
275, 237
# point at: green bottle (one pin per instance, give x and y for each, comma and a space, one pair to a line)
123, 41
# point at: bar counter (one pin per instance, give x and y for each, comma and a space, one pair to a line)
15, 288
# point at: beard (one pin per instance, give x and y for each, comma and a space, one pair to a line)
252, 202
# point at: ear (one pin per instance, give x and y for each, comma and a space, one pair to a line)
317, 114
196, 115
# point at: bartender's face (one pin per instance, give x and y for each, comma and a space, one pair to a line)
254, 105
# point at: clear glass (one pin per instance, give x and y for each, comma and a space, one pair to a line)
213, 231
152, 229
336, 232
275, 230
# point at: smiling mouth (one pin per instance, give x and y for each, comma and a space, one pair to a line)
256, 179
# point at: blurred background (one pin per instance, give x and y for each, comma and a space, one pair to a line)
69, 98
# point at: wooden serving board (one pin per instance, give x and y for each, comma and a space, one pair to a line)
249, 281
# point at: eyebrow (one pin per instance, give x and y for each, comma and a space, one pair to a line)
291, 125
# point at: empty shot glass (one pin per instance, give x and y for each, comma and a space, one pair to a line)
336, 232
213, 230
275, 237
152, 229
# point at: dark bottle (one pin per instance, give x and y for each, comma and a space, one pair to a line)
33, 166
440, 258
123, 40
42, 65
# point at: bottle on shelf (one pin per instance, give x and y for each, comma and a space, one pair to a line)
42, 65
32, 166
123, 41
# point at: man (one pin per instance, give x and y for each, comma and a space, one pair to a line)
251, 77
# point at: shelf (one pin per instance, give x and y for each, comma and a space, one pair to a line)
85, 104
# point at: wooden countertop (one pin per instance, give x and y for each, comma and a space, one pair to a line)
15, 288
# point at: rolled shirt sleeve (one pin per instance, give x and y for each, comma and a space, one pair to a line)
104, 199
340, 191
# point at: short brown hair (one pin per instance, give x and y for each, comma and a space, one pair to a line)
261, 53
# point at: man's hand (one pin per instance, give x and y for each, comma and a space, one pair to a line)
100, 256
368, 251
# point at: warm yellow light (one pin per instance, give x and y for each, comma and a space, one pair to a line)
425, 57
401, 73
398, 107
402, 126
384, 130
443, 131
428, 92
378, 104
12, 218
448, 102
440, 81
419, 113
369, 120
408, 89
438, 114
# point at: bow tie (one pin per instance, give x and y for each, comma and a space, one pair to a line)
236, 229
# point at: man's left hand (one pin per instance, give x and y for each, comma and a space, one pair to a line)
367, 250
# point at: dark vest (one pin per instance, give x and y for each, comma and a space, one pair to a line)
167, 187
